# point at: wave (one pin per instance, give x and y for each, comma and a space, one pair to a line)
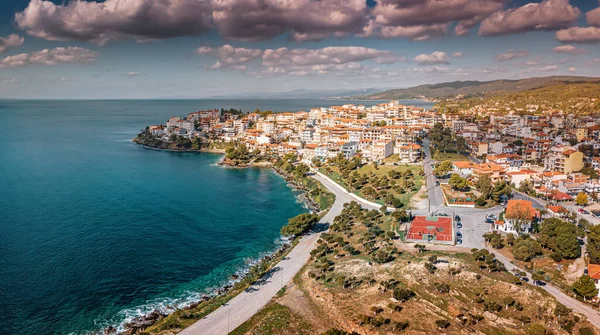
168, 305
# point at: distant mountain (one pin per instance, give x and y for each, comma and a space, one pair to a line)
475, 88
302, 94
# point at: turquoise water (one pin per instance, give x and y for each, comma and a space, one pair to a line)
95, 230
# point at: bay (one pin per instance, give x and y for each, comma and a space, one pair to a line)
95, 230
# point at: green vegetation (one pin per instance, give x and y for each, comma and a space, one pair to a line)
390, 185
295, 174
585, 287
299, 224
491, 192
593, 244
271, 319
449, 156
561, 237
578, 98
443, 140
442, 169
458, 183
475, 88
525, 248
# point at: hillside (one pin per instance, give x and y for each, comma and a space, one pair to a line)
477, 88
579, 98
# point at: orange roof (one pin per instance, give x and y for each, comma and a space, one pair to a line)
464, 164
522, 209
594, 271
558, 209
500, 223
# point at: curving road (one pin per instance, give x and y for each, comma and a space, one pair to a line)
241, 308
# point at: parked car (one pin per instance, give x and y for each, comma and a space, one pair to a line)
489, 220
456, 218
458, 241
491, 216
458, 225
458, 234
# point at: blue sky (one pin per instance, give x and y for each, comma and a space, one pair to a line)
191, 48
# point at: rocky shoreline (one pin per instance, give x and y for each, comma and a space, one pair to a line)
214, 151
140, 323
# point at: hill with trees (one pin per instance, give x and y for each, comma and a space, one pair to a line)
477, 88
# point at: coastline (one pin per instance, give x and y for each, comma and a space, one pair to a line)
212, 151
237, 282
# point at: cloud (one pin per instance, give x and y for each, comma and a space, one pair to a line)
568, 49
10, 41
458, 54
101, 22
421, 20
50, 57
572, 69
548, 68
593, 17
303, 19
511, 54
297, 61
546, 15
133, 74
437, 57
228, 56
579, 35
321, 61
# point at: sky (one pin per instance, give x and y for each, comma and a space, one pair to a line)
134, 49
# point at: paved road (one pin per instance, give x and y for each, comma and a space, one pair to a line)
434, 192
241, 308
591, 314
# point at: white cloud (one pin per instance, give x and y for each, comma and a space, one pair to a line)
511, 54
50, 57
297, 61
579, 35
458, 54
546, 15
568, 49
572, 69
436, 57
229, 56
10, 41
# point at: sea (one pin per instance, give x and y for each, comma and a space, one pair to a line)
95, 230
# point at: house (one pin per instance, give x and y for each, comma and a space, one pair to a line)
410, 153
565, 160
494, 171
558, 211
594, 273
518, 217
349, 149
464, 168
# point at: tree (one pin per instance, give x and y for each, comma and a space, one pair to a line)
526, 187
585, 287
443, 168
457, 182
484, 185
526, 248
581, 199
299, 224
403, 294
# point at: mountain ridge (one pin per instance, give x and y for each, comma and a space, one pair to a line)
474, 88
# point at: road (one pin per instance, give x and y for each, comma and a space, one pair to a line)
577, 306
241, 308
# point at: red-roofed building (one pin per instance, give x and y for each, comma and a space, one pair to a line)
432, 229
518, 217
594, 273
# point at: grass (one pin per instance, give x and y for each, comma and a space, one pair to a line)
274, 319
381, 170
449, 156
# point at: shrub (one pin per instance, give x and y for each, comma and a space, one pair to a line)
556, 257
536, 329
586, 331
401, 325
442, 324
403, 294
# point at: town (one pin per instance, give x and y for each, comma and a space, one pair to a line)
522, 181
